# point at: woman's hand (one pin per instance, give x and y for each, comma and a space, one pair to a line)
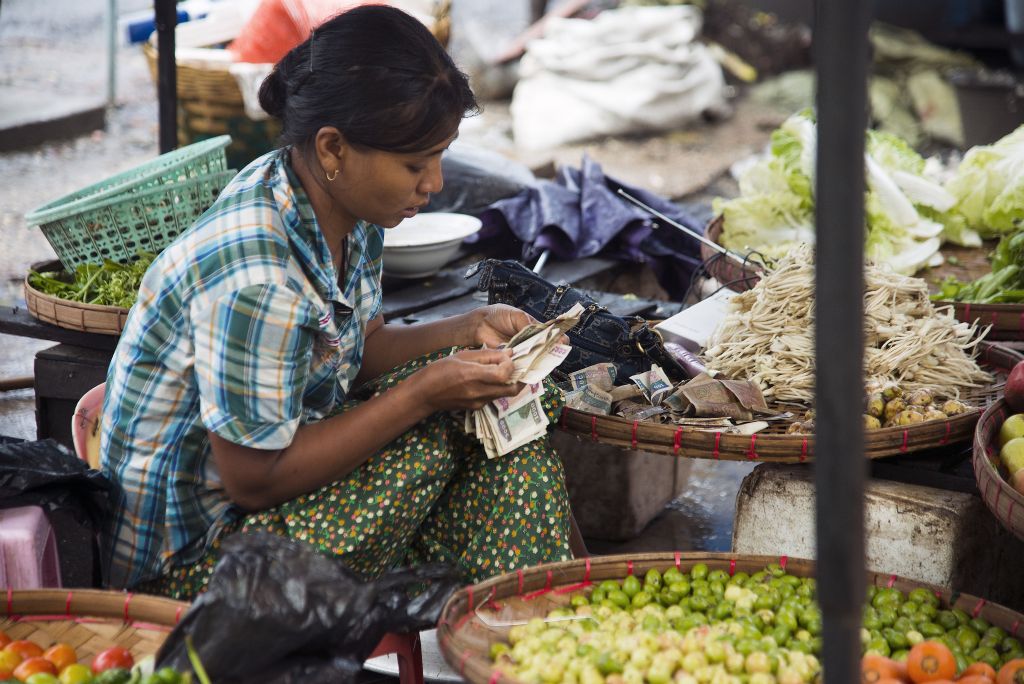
469, 379
498, 323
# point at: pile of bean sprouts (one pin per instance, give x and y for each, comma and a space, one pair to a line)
768, 336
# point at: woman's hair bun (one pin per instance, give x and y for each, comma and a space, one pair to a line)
274, 93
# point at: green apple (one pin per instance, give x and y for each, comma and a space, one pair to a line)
1012, 428
1012, 455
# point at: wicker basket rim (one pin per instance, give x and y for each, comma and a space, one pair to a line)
984, 469
770, 447
64, 604
119, 184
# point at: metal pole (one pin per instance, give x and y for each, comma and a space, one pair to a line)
111, 52
167, 75
841, 58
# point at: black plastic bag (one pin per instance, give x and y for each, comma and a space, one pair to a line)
76, 499
277, 611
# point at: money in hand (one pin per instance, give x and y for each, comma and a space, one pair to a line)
510, 422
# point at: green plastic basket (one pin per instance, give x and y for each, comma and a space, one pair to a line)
120, 225
201, 159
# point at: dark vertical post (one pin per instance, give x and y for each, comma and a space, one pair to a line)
167, 75
841, 58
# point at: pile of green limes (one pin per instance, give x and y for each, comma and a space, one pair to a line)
707, 627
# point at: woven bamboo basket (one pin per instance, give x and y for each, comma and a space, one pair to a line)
1002, 499
774, 446
726, 271
91, 318
479, 615
91, 620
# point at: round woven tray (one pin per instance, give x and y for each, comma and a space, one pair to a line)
91, 620
92, 318
478, 615
772, 445
1002, 499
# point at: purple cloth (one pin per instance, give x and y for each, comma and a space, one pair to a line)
580, 215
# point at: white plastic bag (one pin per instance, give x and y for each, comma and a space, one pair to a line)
628, 70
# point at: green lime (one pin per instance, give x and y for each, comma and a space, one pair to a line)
897, 640
578, 600
631, 586
879, 646
619, 598
782, 635
1010, 644
931, 629
967, 638
651, 622
653, 578
947, 619
986, 655
699, 571
609, 585
671, 576
980, 625
667, 597
607, 664
641, 599
909, 608
699, 604
682, 587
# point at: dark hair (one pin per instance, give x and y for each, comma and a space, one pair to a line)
377, 75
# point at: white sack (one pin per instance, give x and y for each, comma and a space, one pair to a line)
627, 70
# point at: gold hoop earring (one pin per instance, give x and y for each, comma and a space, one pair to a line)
332, 177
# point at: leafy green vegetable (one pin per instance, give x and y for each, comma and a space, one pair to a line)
107, 284
989, 186
906, 210
1004, 284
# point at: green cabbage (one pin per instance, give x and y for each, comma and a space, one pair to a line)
908, 213
989, 186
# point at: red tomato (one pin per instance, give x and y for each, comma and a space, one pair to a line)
115, 656
26, 649
31, 666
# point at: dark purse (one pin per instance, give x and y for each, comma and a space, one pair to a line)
600, 336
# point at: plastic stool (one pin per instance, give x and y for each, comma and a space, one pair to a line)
410, 659
28, 549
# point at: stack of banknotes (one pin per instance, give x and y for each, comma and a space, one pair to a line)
510, 422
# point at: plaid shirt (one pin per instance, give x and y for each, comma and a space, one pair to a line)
240, 328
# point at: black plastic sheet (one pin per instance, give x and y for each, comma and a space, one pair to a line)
580, 215
76, 499
277, 611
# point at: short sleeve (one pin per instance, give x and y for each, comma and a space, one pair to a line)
252, 356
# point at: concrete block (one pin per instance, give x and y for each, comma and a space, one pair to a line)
616, 492
949, 539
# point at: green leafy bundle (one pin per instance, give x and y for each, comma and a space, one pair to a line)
106, 284
1005, 284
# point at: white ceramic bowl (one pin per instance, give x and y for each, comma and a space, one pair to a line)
420, 246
